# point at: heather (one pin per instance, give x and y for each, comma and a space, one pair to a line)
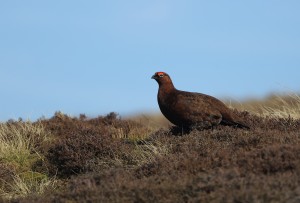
113, 159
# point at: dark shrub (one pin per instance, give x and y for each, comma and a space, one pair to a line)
83, 145
72, 155
220, 165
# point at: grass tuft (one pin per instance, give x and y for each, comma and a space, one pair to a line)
276, 105
29, 183
19, 144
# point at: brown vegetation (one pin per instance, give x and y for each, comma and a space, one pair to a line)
108, 159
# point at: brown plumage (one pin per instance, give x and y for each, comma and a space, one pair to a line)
190, 110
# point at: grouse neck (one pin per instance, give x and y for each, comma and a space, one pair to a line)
167, 87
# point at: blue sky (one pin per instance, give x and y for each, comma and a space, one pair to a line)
95, 57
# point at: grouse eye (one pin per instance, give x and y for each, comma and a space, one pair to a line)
160, 74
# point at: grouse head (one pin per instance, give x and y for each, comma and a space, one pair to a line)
162, 78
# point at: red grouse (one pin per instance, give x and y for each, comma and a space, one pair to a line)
189, 110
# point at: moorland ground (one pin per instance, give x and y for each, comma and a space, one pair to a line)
145, 159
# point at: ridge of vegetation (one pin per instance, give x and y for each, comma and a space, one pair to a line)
141, 159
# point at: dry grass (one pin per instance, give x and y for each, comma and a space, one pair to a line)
19, 143
152, 121
284, 106
19, 139
133, 130
28, 183
146, 152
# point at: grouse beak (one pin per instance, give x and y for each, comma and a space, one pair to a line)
154, 77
